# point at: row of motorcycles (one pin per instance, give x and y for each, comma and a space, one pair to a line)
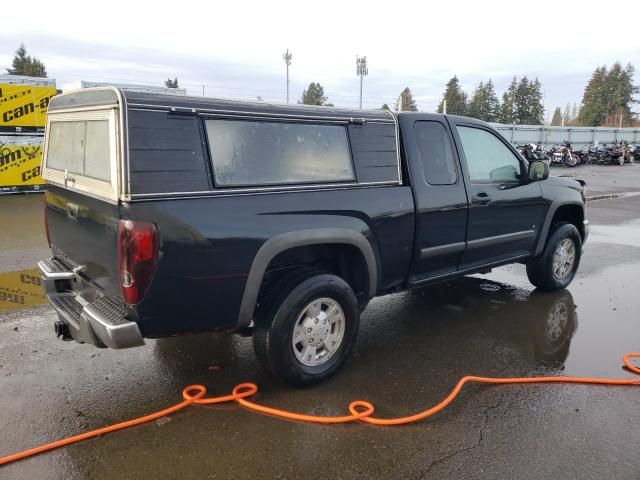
563, 154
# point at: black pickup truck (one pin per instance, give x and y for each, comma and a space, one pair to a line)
170, 215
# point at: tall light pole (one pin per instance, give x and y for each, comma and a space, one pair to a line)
362, 70
287, 59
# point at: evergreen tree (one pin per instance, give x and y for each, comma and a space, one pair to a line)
314, 95
408, 103
475, 105
454, 96
521, 102
527, 102
24, 64
507, 109
557, 117
566, 116
171, 83
536, 113
484, 103
593, 107
492, 104
385, 107
620, 91
608, 97
574, 114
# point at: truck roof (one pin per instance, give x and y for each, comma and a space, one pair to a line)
106, 95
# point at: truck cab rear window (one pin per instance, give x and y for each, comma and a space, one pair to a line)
249, 153
80, 147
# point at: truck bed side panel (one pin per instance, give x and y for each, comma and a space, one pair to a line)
208, 245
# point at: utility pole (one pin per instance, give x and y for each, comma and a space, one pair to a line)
287, 59
362, 70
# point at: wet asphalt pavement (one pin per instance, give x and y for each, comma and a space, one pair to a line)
411, 350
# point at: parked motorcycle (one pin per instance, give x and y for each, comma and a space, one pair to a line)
526, 151
583, 156
617, 154
542, 153
626, 152
531, 152
596, 153
563, 155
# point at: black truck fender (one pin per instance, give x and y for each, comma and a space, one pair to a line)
553, 209
300, 238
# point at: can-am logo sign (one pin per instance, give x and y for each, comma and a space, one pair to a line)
24, 106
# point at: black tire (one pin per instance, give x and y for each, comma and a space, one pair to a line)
278, 315
554, 322
570, 160
540, 269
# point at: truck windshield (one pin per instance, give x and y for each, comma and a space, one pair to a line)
80, 147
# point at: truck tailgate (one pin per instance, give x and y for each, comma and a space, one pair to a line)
83, 231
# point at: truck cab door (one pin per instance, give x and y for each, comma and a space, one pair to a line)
439, 195
505, 209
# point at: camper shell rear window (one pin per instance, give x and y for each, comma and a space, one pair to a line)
80, 147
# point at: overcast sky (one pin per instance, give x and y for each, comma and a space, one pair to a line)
235, 48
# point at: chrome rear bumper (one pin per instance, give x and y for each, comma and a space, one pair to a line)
101, 323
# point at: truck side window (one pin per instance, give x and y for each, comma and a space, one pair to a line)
436, 154
488, 159
246, 153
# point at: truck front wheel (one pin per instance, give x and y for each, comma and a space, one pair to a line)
558, 264
306, 327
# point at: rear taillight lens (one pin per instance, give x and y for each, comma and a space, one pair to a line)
46, 222
137, 258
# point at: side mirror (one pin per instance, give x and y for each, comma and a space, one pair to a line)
538, 170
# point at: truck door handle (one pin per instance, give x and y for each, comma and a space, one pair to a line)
481, 199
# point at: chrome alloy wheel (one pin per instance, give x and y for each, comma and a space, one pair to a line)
318, 332
564, 259
556, 322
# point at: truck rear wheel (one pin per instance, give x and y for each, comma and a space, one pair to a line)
558, 264
306, 327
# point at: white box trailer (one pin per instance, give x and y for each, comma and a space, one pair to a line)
31, 81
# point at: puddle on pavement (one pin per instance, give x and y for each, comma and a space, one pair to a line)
609, 310
20, 289
624, 234
22, 220
538, 325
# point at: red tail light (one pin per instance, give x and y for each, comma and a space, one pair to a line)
137, 258
46, 223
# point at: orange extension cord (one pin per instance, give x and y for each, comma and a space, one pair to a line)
359, 410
